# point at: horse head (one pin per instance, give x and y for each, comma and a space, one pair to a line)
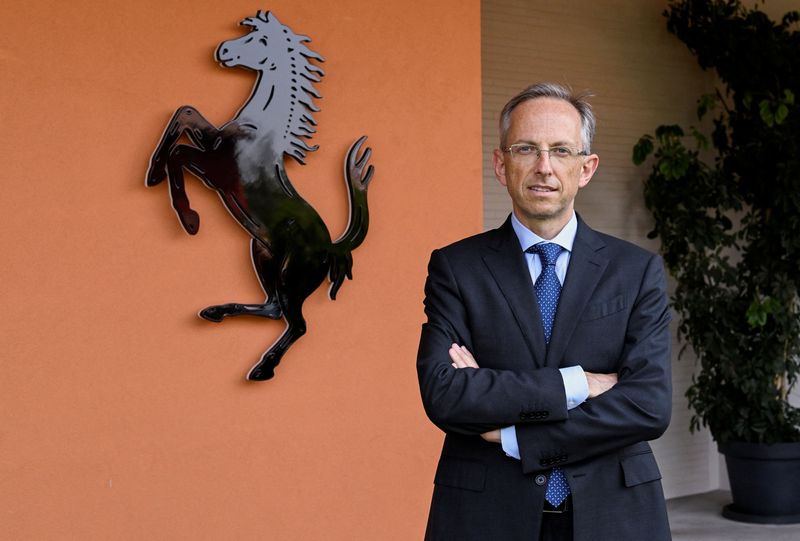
268, 46
273, 50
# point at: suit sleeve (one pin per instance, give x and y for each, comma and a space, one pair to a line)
637, 408
467, 400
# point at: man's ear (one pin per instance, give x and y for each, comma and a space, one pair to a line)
588, 168
499, 166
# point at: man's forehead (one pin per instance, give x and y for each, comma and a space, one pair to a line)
546, 114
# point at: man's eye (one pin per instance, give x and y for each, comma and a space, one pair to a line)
561, 152
524, 149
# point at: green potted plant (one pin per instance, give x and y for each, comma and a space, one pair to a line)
727, 211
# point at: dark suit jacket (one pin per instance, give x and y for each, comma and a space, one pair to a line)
612, 317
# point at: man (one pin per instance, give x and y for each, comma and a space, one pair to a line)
546, 355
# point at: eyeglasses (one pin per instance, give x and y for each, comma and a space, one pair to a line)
528, 152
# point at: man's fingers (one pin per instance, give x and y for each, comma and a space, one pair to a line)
461, 357
600, 383
457, 356
467, 356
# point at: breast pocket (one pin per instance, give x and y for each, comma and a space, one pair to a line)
603, 309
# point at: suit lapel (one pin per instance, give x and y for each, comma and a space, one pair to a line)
506, 263
586, 267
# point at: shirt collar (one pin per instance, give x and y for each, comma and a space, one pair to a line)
527, 238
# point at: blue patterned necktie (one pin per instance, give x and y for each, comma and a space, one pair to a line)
548, 291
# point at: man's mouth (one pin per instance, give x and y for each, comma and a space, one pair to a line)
542, 189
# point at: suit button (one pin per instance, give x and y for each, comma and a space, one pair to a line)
540, 479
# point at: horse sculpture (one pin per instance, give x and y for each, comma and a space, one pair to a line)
243, 161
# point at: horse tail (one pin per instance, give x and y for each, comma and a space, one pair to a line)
357, 175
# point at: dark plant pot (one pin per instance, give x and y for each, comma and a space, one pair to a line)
765, 482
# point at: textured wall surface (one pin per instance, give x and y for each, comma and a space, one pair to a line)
123, 415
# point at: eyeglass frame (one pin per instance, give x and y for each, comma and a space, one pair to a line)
573, 152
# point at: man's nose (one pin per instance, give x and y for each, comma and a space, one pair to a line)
543, 165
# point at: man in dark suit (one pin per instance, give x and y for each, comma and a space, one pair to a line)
545, 358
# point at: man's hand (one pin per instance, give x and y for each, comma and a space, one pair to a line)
461, 357
492, 436
600, 383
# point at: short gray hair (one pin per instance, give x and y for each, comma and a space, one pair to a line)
552, 90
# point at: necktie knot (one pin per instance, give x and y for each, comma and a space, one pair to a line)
548, 252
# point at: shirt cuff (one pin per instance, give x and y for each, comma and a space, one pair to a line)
508, 439
575, 386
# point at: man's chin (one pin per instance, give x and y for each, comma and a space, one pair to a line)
541, 213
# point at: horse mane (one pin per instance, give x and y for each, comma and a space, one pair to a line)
302, 74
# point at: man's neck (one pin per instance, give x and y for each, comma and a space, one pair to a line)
527, 238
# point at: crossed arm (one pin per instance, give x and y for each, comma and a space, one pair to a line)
462, 358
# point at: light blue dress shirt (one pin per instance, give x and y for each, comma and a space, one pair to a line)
575, 384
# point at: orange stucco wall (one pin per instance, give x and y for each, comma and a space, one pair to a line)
123, 415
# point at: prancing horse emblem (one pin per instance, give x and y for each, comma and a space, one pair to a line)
243, 161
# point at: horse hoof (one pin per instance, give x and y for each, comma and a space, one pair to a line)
261, 373
190, 221
212, 313
155, 175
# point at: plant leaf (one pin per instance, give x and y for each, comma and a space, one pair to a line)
642, 149
781, 114
765, 111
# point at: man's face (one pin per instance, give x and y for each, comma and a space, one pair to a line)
543, 189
